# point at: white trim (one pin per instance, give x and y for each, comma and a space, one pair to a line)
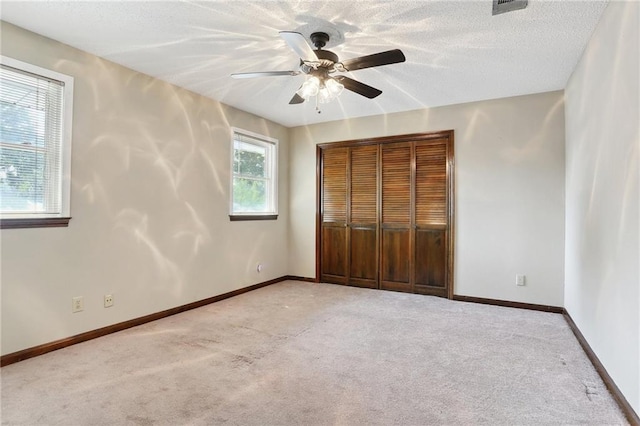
254, 135
67, 127
272, 164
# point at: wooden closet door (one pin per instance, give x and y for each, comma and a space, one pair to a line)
333, 268
363, 216
431, 234
386, 214
396, 240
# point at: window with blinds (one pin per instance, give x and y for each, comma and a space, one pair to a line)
254, 180
34, 141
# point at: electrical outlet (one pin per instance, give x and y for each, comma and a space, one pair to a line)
108, 300
520, 280
77, 304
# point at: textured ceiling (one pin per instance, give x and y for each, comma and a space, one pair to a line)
456, 50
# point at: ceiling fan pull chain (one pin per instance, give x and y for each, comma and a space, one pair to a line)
317, 108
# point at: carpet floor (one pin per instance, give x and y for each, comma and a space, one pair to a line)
317, 354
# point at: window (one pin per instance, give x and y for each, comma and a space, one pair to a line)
254, 181
35, 145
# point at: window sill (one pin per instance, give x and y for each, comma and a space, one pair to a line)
239, 217
40, 222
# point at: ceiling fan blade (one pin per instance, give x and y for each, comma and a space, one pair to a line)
263, 74
297, 99
377, 59
357, 87
298, 44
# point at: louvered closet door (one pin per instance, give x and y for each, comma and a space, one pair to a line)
396, 241
431, 218
333, 266
363, 217
386, 213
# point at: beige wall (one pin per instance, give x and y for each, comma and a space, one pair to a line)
150, 200
150, 188
509, 156
150, 183
602, 285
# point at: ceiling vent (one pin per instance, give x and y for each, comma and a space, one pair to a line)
504, 6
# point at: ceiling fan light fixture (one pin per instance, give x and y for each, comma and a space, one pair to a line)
333, 87
324, 96
319, 64
330, 90
309, 88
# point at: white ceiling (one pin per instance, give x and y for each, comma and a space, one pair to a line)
456, 50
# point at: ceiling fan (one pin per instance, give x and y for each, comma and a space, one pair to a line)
321, 65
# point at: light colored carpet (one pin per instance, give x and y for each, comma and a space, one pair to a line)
317, 354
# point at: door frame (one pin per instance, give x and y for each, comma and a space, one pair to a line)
413, 137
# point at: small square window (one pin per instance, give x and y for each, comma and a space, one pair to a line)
254, 176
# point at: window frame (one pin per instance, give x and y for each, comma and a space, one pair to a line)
272, 147
61, 219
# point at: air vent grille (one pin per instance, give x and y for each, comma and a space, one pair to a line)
503, 6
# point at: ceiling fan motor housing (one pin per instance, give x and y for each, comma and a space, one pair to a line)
319, 39
325, 55
327, 58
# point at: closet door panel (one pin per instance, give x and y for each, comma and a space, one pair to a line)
396, 184
334, 185
431, 218
333, 266
334, 254
395, 254
395, 247
431, 262
364, 260
364, 185
363, 216
431, 183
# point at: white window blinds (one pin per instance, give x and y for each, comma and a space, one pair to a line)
30, 143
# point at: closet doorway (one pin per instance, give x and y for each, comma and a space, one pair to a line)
385, 213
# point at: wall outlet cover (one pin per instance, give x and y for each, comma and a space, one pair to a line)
108, 300
77, 304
